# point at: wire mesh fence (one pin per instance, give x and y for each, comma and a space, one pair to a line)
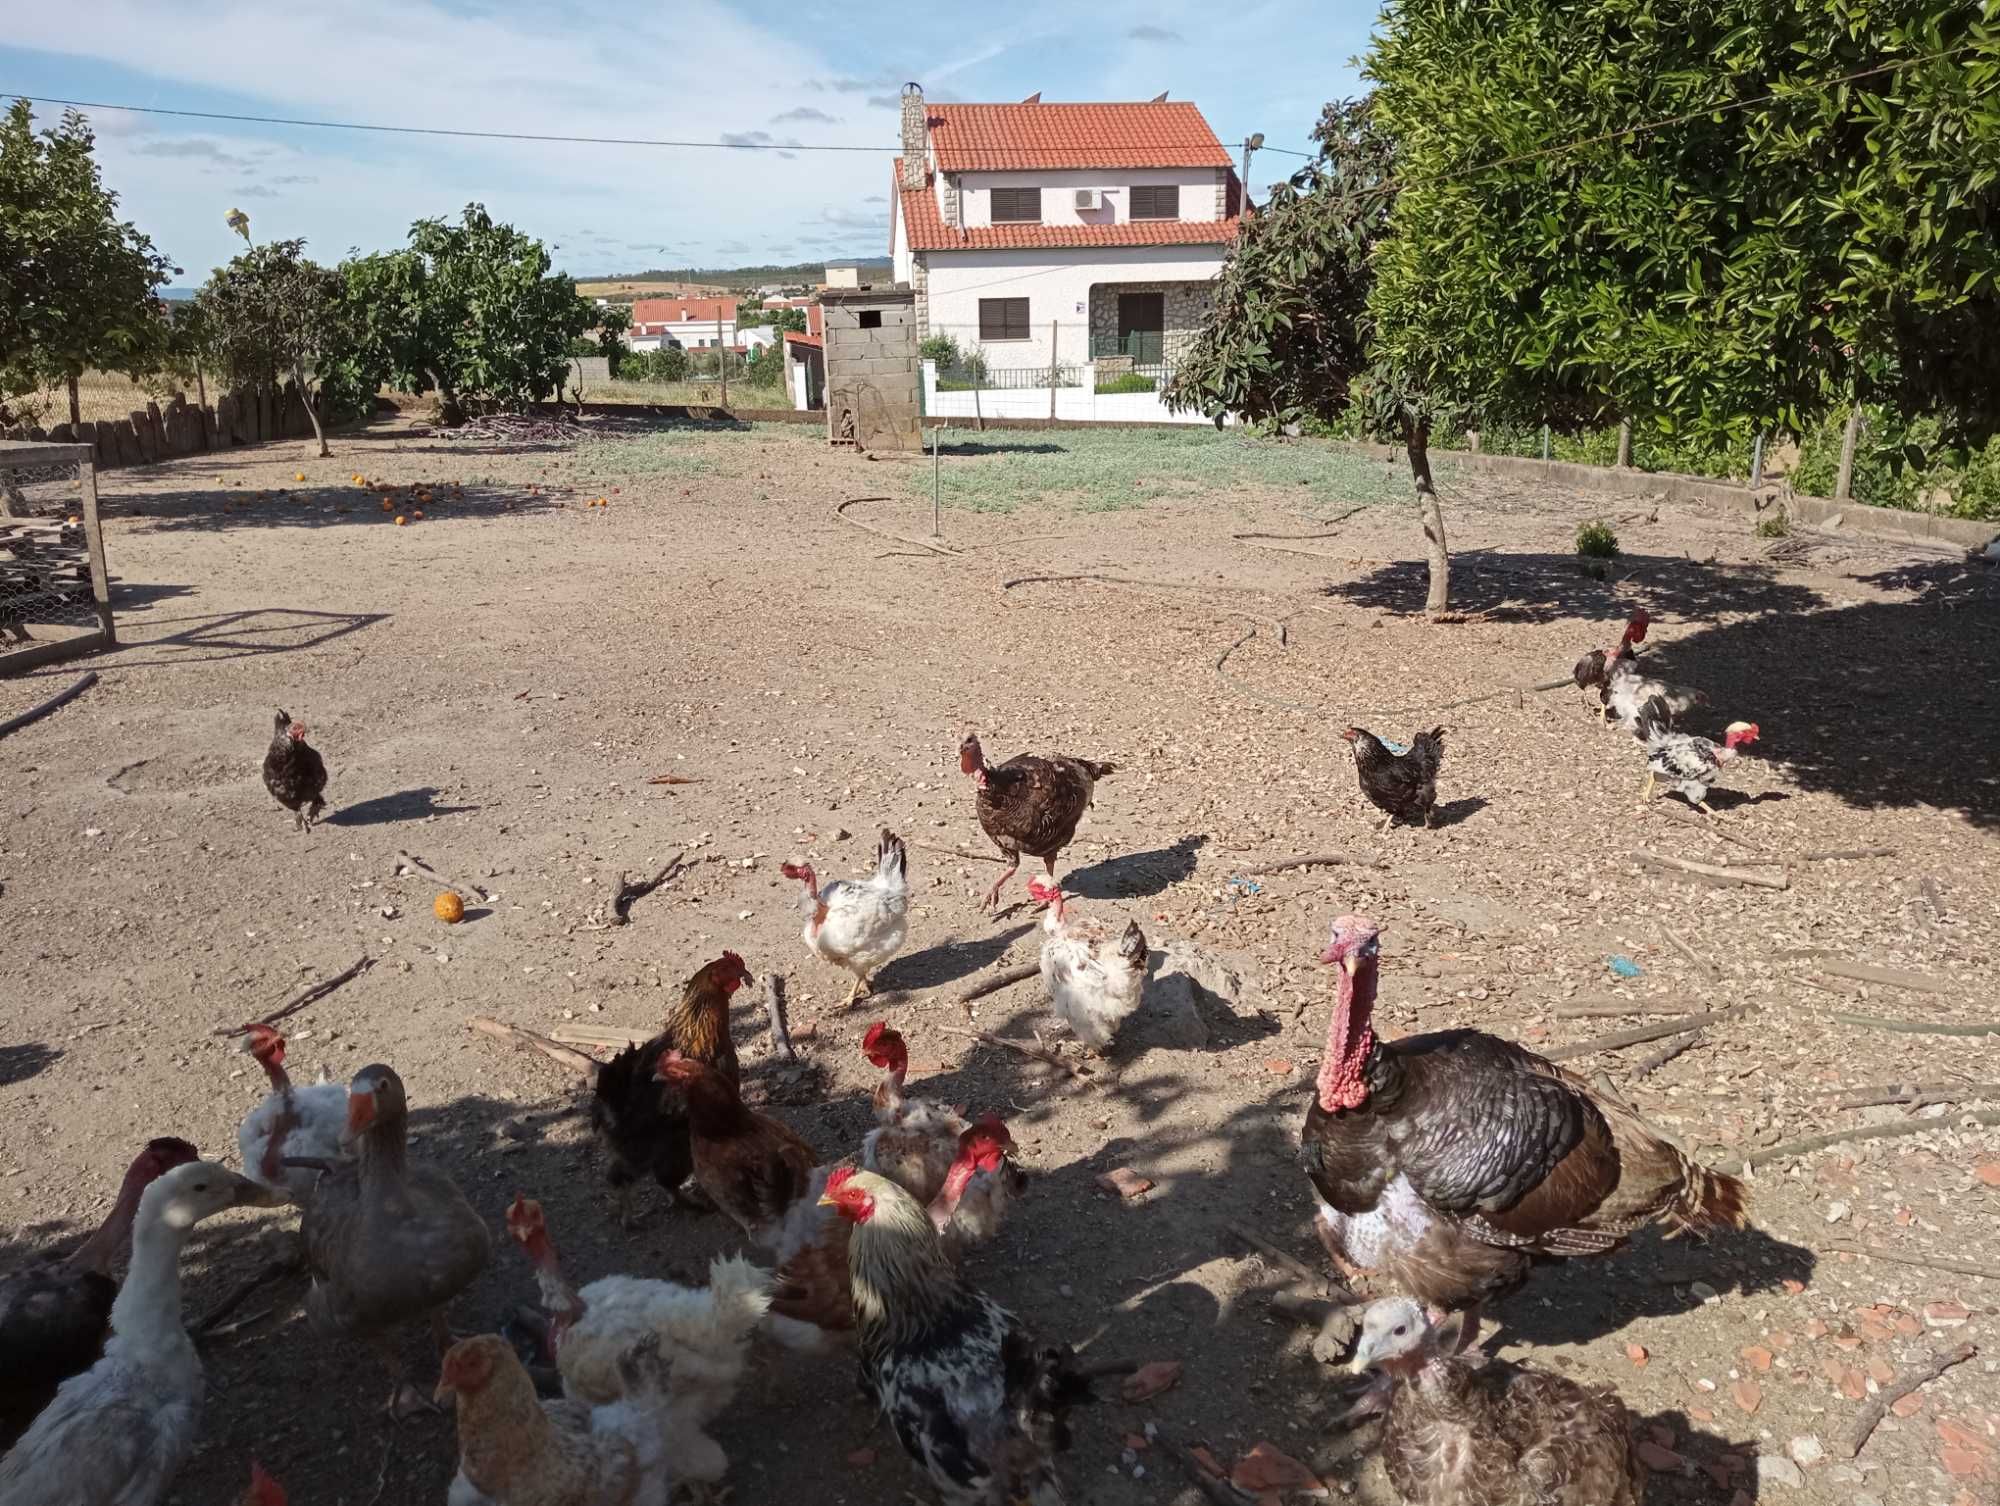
752, 376
102, 396
54, 595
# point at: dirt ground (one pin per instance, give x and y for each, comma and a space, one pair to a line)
494, 685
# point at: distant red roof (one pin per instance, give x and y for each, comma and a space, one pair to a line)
679, 310
925, 226
793, 337
1013, 138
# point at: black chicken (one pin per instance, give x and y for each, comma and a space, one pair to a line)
294, 773
1030, 804
643, 1122
54, 1315
1403, 785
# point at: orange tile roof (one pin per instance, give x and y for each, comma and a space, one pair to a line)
793, 337
676, 310
1013, 138
925, 226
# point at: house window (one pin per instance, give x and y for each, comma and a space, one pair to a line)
1160, 201
1003, 319
871, 318
1015, 206
1142, 323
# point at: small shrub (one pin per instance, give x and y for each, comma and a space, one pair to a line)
1131, 381
1777, 526
1596, 541
942, 349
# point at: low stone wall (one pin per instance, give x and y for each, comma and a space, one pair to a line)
247, 415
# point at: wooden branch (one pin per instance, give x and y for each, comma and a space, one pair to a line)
1876, 1410
1619, 1040
1219, 1492
1037, 1052
1184, 593
450, 883
1614, 1011
1891, 1131
1711, 872
840, 512
1664, 1055
960, 852
529, 1040
1924, 1262
312, 995
774, 1011
273, 1270
36, 713
1912, 1092
1914, 1027
1887, 977
611, 1038
1830, 854
994, 984
1320, 860
629, 893
1680, 945
1300, 1271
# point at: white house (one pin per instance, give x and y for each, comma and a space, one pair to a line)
1068, 232
693, 323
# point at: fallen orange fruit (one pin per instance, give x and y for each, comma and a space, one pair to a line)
400, 521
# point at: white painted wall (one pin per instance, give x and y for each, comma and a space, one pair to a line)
1197, 185
900, 254
1057, 286
1082, 404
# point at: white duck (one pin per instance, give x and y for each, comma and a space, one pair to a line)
291, 1121
117, 1434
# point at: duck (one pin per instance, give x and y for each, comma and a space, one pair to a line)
387, 1242
120, 1431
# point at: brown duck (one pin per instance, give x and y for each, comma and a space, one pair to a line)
387, 1242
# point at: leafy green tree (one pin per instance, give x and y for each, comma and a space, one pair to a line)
77, 284
272, 312
1287, 340
613, 320
670, 364
786, 321
1809, 218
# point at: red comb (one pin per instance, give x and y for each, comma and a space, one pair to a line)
264, 1491
838, 1178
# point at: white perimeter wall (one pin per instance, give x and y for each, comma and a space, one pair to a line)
1083, 403
1057, 286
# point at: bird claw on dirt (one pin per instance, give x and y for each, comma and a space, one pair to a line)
407, 1404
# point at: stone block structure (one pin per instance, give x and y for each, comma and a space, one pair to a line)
872, 368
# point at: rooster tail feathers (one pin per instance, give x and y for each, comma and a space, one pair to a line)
740, 1290
1132, 944
1428, 748
1710, 1200
892, 861
1098, 771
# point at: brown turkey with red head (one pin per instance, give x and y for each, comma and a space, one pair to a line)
1030, 805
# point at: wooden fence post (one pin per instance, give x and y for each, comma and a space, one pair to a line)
1844, 482
1055, 337
1624, 460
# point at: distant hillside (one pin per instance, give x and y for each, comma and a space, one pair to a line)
807, 272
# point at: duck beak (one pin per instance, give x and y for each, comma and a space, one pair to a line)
360, 1114
249, 1194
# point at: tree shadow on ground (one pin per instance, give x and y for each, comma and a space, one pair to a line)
242, 635
969, 447
330, 503
1550, 587
405, 805
1135, 874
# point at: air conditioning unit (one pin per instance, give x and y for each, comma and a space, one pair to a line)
1089, 198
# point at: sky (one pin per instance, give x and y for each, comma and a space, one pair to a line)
699, 70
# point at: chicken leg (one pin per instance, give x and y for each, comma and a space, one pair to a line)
1013, 867
861, 986
1646, 794
405, 1400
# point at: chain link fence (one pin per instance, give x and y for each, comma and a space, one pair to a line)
54, 592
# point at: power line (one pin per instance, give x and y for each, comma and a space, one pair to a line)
394, 130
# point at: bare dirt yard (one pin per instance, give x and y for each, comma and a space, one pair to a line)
495, 685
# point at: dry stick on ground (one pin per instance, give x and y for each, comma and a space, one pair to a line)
1219, 1492
629, 893
450, 883
312, 995
36, 713
840, 512
1184, 593
1615, 1010
774, 1011
1680, 945
1619, 1040
273, 1270
1712, 873
1924, 1262
1664, 1055
1886, 976
1320, 860
1914, 1027
1829, 854
1687, 815
1876, 1410
959, 852
1892, 1131
1314, 1280
1037, 1052
529, 1040
1913, 1092
994, 984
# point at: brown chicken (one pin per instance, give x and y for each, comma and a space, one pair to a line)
642, 1121
754, 1168
515, 1449
387, 1242
1451, 1161
1030, 805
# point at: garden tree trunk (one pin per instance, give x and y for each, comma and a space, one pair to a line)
1417, 439
75, 413
312, 409
1624, 461
1844, 482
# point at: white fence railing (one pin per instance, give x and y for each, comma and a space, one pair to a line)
1081, 403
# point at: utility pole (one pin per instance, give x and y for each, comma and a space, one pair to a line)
721, 357
1250, 144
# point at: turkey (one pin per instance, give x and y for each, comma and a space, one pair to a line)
1496, 1435
1450, 1162
1030, 804
1402, 785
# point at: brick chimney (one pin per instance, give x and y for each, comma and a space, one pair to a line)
916, 136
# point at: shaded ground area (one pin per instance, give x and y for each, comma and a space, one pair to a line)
494, 685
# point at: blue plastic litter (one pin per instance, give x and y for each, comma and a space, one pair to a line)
1247, 886
1625, 967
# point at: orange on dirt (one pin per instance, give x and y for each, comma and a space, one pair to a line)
401, 520
449, 908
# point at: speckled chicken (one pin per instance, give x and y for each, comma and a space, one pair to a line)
1030, 804
294, 772
1687, 764
1496, 1435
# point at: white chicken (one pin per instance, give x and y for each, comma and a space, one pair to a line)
291, 1121
1687, 764
1094, 980
914, 1141
858, 924
704, 1333
117, 1434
